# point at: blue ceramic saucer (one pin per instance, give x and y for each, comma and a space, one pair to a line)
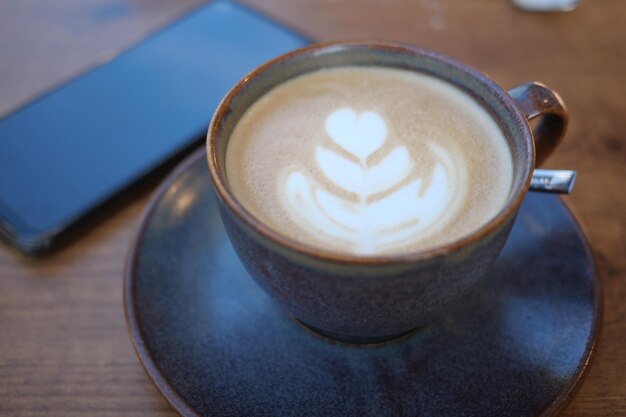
214, 344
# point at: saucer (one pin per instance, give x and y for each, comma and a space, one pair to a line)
215, 344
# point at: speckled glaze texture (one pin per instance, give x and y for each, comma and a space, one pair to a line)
374, 297
377, 303
517, 343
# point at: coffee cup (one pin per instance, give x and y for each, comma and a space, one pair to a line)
379, 295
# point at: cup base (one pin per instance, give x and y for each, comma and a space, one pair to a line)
357, 340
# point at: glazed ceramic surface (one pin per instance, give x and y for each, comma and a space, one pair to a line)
215, 344
378, 297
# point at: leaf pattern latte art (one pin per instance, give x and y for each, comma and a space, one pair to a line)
368, 225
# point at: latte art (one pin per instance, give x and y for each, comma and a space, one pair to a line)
367, 222
369, 161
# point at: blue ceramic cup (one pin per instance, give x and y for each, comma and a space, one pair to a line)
374, 298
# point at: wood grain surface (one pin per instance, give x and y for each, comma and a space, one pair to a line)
64, 347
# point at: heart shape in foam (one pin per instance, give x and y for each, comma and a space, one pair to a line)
361, 135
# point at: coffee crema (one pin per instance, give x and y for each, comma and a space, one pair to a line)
369, 161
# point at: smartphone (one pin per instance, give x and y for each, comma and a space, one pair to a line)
65, 154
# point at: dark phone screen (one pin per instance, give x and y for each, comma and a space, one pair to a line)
70, 150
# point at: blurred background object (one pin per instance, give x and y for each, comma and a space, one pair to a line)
114, 124
546, 5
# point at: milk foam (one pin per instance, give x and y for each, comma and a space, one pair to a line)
369, 224
368, 160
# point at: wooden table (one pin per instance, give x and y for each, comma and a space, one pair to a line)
64, 347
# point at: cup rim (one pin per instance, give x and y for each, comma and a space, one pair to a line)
281, 240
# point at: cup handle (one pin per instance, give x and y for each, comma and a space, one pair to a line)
537, 100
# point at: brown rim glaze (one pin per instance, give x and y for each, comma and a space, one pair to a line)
242, 214
183, 408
